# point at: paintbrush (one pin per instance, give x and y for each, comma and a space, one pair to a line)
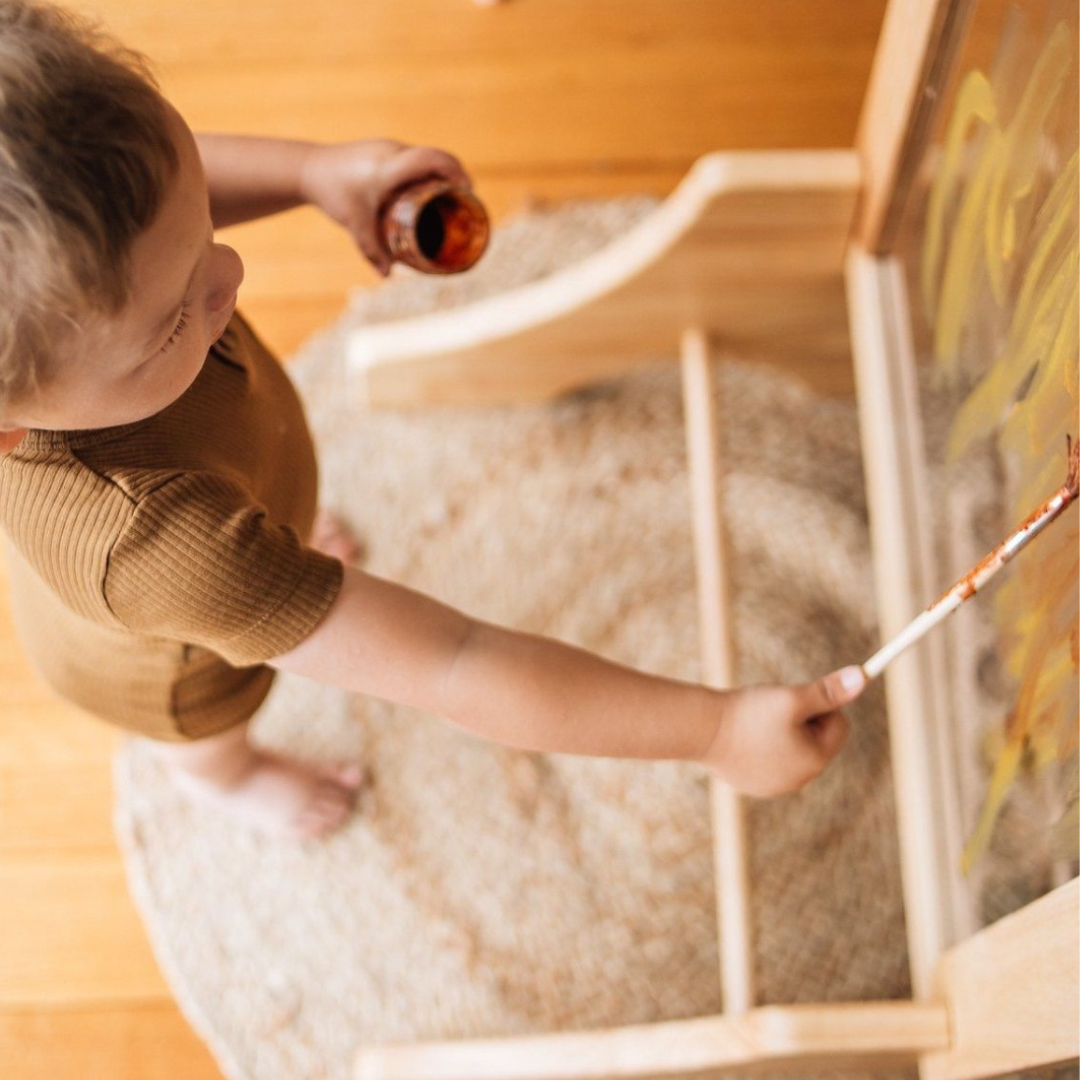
983, 571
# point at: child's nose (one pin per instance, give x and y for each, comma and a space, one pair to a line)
228, 273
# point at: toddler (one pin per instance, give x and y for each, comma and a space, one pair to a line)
158, 483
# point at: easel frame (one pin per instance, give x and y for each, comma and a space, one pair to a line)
998, 1000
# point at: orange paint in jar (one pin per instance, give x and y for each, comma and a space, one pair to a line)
435, 227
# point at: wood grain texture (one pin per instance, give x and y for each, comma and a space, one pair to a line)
918, 41
81, 948
1012, 993
122, 1042
540, 98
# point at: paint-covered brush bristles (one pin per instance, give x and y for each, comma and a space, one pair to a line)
984, 570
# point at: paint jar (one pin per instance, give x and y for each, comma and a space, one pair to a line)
435, 227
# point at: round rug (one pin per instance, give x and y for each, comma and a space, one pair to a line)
481, 890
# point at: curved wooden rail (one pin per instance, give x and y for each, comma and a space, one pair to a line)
748, 249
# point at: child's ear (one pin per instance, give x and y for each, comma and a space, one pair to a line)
10, 439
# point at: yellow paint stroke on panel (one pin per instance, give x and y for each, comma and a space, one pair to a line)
1000, 243
1039, 338
974, 106
982, 240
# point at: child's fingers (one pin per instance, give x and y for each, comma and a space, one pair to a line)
831, 692
828, 733
421, 162
372, 250
370, 245
363, 227
825, 725
406, 167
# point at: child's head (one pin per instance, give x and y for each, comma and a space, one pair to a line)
88, 152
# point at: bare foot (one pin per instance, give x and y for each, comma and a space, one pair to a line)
333, 537
282, 798
264, 792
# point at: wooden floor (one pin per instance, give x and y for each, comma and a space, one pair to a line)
543, 99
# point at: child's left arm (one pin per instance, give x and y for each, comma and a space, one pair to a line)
251, 177
382, 639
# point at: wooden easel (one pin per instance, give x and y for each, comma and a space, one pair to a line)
772, 254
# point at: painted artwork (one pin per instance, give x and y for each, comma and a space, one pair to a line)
992, 261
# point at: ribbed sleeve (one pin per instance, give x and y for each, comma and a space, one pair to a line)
199, 563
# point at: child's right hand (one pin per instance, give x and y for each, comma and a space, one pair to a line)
350, 182
775, 739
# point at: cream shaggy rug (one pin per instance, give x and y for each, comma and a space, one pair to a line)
484, 891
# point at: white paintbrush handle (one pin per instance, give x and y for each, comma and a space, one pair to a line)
921, 625
973, 580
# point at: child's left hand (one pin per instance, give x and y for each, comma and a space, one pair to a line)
352, 181
776, 739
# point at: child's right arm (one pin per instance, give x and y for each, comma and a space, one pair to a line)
534, 693
249, 177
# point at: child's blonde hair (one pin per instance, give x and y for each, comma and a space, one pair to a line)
85, 159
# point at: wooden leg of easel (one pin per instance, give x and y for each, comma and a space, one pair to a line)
1011, 992
936, 899
729, 834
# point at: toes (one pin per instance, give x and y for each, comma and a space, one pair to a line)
328, 810
331, 536
348, 775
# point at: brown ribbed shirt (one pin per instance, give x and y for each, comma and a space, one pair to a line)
155, 566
